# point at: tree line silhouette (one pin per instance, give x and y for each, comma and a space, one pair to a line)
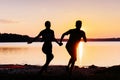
10, 37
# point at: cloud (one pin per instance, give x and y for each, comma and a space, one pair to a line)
6, 21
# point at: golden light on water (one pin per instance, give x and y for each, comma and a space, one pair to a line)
80, 51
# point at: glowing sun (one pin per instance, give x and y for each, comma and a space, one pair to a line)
80, 51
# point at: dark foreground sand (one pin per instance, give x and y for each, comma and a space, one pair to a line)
57, 72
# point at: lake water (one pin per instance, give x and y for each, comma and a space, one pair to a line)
97, 53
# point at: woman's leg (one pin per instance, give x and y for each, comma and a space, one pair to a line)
48, 60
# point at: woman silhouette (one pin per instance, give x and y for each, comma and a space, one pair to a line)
72, 43
47, 36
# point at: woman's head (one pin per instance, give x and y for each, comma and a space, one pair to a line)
47, 24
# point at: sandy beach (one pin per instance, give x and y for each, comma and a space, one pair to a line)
58, 72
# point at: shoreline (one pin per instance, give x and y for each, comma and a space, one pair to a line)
58, 72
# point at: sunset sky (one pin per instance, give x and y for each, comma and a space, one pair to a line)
101, 18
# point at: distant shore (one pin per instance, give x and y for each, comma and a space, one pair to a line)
58, 72
10, 37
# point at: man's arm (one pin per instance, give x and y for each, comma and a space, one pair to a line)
63, 35
84, 37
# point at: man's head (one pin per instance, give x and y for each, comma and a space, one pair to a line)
78, 24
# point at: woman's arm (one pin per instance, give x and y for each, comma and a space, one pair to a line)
34, 38
54, 39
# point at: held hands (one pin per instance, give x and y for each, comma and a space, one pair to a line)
60, 44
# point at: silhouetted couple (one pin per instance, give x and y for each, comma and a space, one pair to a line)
47, 36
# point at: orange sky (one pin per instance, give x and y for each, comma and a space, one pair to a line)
100, 17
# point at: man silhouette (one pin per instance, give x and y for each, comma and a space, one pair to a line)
47, 36
72, 43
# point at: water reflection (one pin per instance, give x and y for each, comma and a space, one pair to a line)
12, 49
80, 52
97, 53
